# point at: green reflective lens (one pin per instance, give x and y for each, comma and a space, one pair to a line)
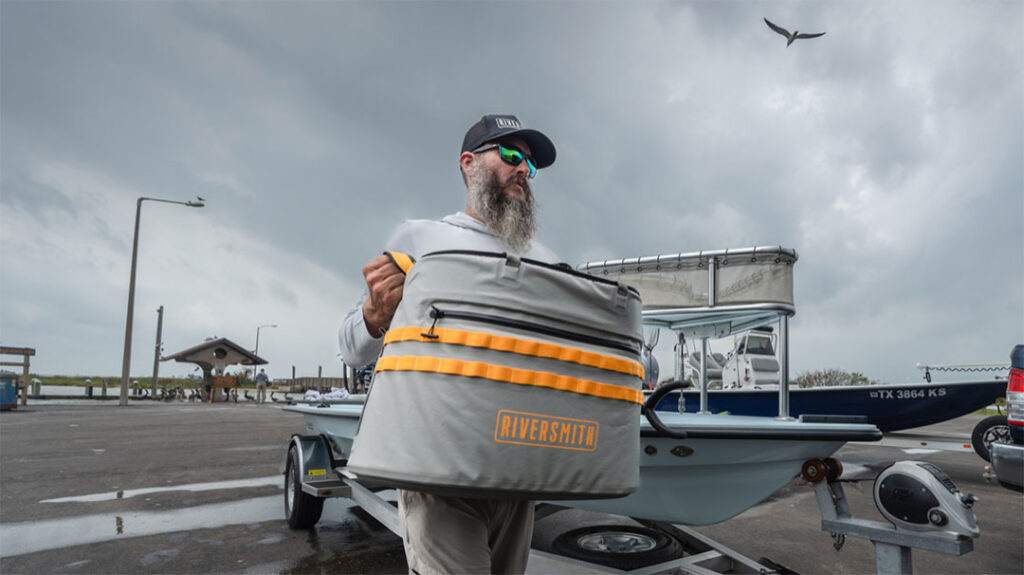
510, 155
515, 157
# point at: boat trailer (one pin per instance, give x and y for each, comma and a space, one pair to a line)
926, 510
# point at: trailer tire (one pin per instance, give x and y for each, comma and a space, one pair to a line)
988, 431
301, 509
622, 547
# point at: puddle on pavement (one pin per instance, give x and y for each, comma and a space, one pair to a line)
33, 536
272, 480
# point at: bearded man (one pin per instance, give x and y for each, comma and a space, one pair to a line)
499, 159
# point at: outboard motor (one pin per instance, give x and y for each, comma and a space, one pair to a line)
917, 496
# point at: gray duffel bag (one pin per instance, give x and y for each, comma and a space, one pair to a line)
504, 377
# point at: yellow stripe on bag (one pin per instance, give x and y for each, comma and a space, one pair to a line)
515, 345
493, 372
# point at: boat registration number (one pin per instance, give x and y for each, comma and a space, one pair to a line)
909, 393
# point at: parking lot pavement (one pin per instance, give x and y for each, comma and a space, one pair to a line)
117, 475
180, 487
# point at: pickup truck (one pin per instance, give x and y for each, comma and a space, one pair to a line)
1008, 457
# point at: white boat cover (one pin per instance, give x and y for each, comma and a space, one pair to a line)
742, 276
505, 377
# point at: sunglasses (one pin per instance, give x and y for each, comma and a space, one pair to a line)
511, 155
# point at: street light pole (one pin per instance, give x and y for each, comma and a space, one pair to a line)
257, 350
127, 361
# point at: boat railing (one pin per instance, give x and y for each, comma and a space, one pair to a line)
964, 368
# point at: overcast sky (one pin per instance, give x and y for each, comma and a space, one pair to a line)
889, 153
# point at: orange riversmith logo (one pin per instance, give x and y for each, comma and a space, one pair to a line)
545, 431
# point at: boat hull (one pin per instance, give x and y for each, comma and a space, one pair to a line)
726, 465
711, 487
889, 407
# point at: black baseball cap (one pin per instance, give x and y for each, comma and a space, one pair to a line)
496, 126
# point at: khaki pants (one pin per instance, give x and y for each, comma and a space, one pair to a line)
261, 393
459, 535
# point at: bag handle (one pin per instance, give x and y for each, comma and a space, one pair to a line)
510, 268
402, 261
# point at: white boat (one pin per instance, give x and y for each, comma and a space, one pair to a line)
726, 464
745, 381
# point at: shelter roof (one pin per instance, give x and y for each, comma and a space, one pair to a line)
219, 352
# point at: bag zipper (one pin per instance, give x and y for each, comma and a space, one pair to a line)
437, 314
560, 267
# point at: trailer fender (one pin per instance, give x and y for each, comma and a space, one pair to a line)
314, 457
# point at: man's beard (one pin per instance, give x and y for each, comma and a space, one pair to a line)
509, 217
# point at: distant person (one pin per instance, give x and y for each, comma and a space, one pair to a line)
498, 159
261, 386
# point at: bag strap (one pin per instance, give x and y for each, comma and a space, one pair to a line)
514, 345
489, 371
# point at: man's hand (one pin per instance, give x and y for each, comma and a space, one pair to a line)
385, 283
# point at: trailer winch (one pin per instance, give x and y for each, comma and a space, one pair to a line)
925, 508
918, 496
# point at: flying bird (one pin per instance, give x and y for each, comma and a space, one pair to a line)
790, 38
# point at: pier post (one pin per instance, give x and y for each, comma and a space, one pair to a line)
23, 382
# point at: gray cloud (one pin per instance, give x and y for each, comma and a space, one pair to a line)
887, 153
